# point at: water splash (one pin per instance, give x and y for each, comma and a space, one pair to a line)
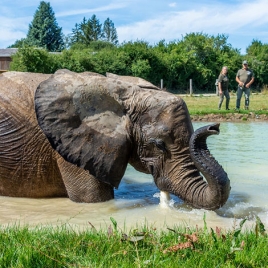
165, 201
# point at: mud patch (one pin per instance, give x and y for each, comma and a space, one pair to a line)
231, 117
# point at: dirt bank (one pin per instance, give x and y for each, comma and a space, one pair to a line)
231, 117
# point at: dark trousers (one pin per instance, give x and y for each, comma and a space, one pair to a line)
239, 93
227, 96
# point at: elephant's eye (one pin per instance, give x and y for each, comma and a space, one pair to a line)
159, 144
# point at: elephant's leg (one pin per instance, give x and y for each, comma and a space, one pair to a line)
83, 187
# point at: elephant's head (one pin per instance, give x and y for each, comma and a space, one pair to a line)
101, 124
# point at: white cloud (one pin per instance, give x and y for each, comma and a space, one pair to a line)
212, 19
134, 19
93, 10
172, 4
12, 30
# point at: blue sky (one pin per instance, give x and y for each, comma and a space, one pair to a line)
147, 20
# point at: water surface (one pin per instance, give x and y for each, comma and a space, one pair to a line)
242, 150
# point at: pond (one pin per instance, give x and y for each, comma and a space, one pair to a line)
242, 150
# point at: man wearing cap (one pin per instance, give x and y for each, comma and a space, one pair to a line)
244, 78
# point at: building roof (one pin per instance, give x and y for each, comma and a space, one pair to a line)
7, 52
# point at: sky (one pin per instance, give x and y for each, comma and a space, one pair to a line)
148, 20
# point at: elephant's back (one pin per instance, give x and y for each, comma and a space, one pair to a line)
18, 88
27, 163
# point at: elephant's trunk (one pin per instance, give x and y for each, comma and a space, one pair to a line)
214, 193
190, 186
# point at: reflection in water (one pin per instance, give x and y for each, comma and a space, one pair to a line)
240, 149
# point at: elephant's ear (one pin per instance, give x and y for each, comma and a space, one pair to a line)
84, 123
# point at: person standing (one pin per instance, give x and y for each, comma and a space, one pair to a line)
244, 78
223, 83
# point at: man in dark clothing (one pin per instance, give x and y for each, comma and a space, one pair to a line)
244, 78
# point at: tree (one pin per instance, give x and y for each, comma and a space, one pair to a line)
141, 68
91, 30
44, 30
20, 43
76, 34
96, 28
257, 55
29, 59
87, 31
109, 32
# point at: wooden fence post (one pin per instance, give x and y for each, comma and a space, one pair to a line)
191, 87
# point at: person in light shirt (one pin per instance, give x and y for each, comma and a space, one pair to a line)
223, 82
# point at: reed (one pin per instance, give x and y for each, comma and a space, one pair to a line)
140, 247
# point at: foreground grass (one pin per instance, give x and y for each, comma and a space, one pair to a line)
147, 247
202, 104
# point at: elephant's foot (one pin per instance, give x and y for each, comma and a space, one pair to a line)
83, 187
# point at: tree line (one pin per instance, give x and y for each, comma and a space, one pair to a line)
94, 47
45, 33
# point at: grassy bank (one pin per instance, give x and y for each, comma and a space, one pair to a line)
142, 247
203, 104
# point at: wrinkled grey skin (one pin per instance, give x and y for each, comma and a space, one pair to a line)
29, 167
101, 124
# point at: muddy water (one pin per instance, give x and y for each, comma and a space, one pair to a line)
241, 148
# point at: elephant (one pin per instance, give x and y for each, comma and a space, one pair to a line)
73, 134
29, 166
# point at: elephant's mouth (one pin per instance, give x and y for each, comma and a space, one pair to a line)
148, 162
151, 169
161, 181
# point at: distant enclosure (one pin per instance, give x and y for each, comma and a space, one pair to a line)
5, 58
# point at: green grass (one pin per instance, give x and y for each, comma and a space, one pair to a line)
141, 247
202, 104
